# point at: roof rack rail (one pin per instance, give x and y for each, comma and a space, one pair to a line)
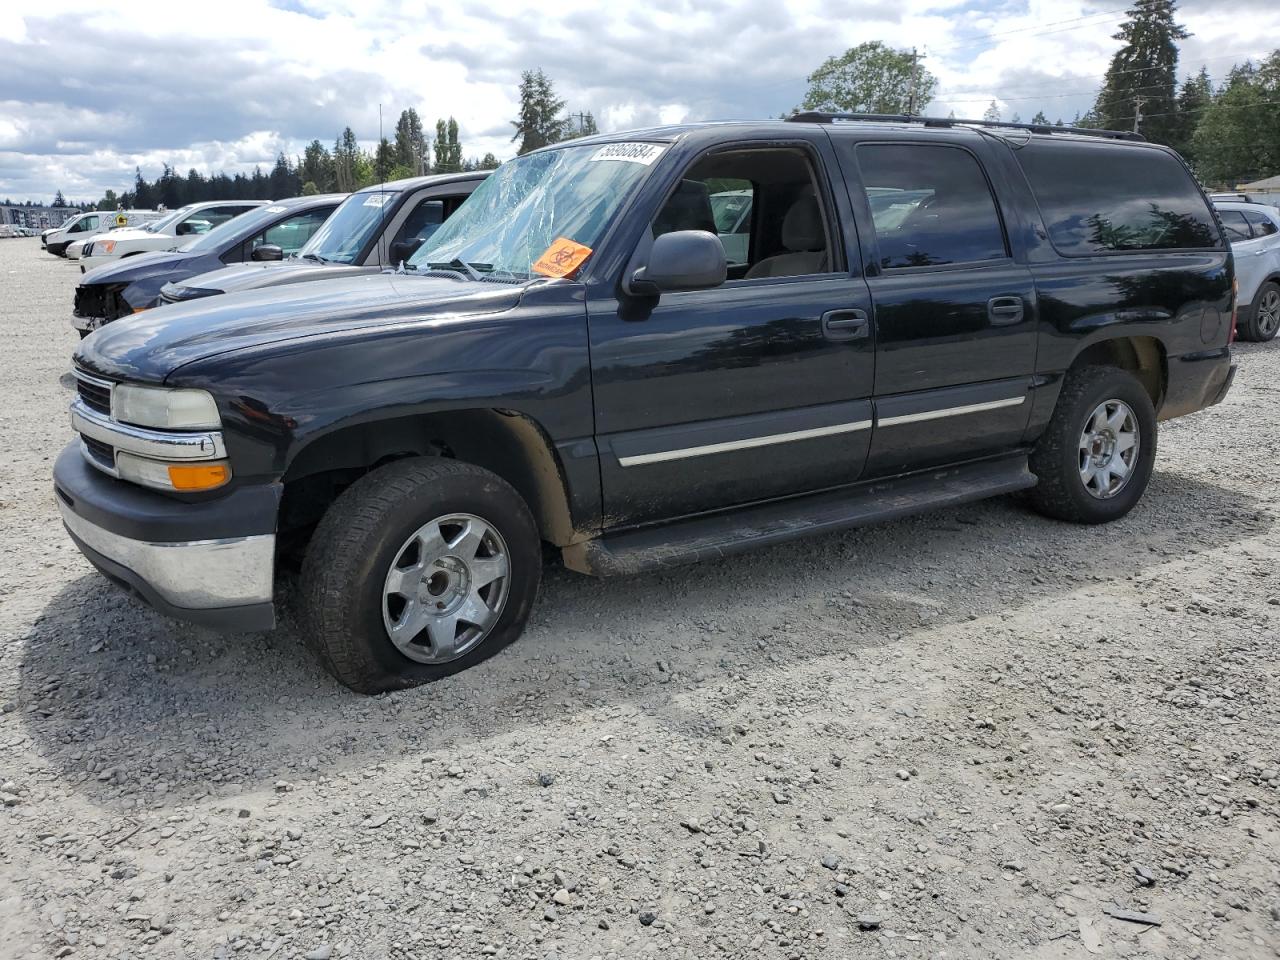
823, 116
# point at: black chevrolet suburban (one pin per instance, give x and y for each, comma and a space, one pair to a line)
928, 312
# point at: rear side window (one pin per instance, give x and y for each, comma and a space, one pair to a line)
930, 204
1102, 198
1263, 226
1235, 224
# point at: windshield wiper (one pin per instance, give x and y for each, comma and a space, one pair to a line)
472, 270
313, 256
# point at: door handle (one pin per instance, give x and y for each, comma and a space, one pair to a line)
1004, 311
845, 324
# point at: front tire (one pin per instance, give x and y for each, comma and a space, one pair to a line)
420, 569
1263, 321
1095, 458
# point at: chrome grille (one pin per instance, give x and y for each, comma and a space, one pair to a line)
95, 393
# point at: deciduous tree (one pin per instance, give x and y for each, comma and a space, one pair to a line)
870, 78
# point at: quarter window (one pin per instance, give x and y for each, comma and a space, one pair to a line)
930, 204
1263, 226
1235, 224
1104, 197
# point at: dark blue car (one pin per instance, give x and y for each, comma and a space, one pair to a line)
133, 283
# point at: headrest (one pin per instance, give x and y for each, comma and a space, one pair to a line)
689, 208
802, 226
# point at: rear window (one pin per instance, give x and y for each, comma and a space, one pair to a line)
1101, 198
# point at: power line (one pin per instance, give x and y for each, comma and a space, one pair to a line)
1099, 17
1103, 76
1208, 106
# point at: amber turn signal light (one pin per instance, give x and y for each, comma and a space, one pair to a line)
198, 476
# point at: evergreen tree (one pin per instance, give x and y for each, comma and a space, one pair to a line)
411, 142
283, 181
1193, 99
59, 200
384, 161
1040, 119
447, 147
316, 167
345, 160
992, 113
488, 162
170, 188
540, 122
1143, 73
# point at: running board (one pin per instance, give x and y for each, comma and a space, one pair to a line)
725, 533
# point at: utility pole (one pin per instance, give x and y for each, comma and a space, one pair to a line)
1137, 112
911, 95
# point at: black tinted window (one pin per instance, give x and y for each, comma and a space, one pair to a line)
930, 204
1098, 197
1234, 223
1262, 225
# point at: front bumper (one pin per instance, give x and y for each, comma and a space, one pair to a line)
58, 248
209, 562
88, 263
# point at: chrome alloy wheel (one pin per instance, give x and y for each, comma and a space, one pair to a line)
446, 588
1109, 449
1269, 314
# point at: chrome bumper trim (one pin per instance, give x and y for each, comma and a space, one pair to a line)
195, 574
156, 444
87, 324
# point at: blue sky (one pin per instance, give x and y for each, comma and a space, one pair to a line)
89, 90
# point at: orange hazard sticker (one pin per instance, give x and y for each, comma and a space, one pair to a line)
562, 258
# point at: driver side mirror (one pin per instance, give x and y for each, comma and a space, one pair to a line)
682, 260
267, 251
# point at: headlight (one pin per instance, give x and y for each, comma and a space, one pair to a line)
103, 247
183, 477
164, 409
176, 293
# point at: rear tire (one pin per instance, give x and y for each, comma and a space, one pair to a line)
373, 536
1095, 458
1263, 321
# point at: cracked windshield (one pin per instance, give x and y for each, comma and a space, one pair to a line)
541, 214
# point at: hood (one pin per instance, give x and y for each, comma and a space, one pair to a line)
149, 346
255, 276
137, 267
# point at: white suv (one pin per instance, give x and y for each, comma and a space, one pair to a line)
1254, 232
167, 233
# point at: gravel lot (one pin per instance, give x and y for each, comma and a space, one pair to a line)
976, 733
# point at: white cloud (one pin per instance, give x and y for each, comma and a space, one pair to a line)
93, 90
